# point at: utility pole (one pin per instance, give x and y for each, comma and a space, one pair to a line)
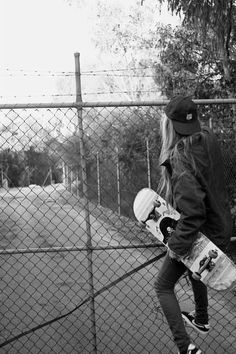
86, 201
78, 78
118, 180
148, 163
98, 179
79, 126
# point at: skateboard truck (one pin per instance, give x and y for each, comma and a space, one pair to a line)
205, 263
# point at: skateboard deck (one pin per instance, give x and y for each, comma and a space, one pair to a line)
206, 261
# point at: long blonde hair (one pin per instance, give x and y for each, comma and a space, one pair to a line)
177, 149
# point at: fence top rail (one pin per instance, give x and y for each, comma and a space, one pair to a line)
111, 104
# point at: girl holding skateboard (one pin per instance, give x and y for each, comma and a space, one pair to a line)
193, 182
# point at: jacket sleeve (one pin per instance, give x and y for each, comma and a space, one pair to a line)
189, 199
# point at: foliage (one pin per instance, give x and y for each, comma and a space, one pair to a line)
12, 166
126, 36
198, 57
126, 137
215, 23
22, 168
187, 66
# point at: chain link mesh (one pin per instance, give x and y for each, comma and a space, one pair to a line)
77, 273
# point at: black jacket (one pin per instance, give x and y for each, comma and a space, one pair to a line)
200, 197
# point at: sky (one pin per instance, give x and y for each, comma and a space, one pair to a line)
42, 34
39, 40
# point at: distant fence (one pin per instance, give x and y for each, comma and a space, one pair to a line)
76, 271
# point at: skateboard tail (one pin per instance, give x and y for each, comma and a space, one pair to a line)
226, 279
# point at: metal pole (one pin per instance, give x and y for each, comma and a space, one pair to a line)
148, 163
157, 103
210, 123
77, 184
71, 177
118, 181
86, 204
98, 179
2, 175
50, 175
66, 175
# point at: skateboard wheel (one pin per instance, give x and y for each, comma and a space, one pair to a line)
211, 266
141, 224
157, 204
196, 276
213, 254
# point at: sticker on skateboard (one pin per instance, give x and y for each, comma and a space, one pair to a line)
206, 261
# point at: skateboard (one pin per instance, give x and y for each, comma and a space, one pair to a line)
205, 260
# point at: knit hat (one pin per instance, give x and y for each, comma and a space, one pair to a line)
183, 113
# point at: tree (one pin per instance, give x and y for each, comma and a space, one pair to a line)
12, 166
126, 33
126, 37
186, 65
215, 21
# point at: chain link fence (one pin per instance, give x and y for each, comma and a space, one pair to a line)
77, 272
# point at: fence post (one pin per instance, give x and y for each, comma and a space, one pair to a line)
71, 178
210, 123
98, 179
77, 184
65, 175
86, 203
118, 180
2, 175
148, 163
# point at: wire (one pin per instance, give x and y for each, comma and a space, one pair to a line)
113, 70
84, 94
11, 72
23, 72
99, 292
114, 92
42, 95
115, 75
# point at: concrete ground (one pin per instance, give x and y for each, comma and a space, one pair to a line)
36, 287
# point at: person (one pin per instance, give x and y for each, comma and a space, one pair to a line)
193, 182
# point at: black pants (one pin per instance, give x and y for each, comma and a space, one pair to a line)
168, 276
